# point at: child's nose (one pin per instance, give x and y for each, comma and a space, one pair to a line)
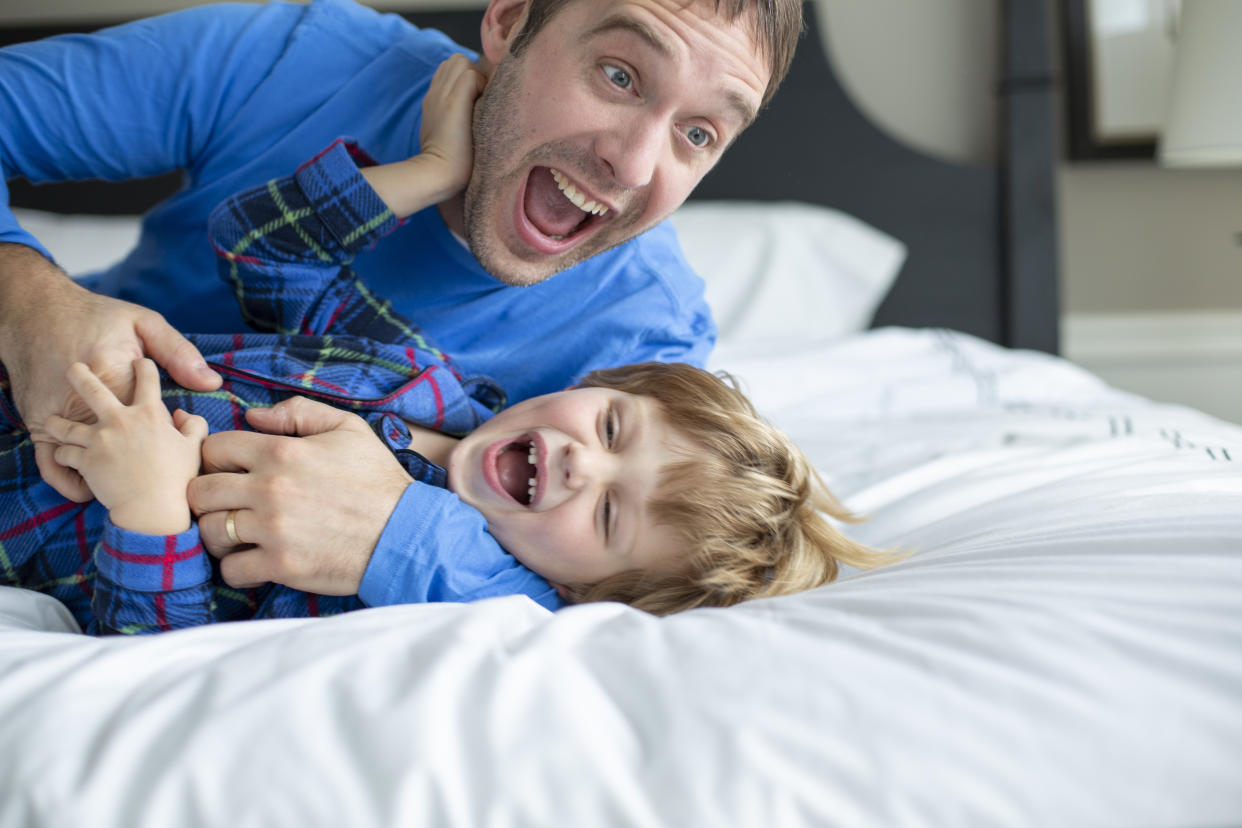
582, 466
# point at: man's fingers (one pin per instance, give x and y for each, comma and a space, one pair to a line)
97, 396
245, 569
300, 416
66, 481
235, 451
66, 431
219, 492
174, 352
70, 456
214, 533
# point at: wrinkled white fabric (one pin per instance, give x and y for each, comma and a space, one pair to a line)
1063, 648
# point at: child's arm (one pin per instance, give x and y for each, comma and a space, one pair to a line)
137, 460
284, 246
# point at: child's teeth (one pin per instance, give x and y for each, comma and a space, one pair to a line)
532, 456
579, 200
531, 493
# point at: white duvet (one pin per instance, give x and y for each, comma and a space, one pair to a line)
1063, 648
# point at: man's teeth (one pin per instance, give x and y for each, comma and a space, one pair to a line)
580, 201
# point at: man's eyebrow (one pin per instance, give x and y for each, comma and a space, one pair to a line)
741, 107
620, 22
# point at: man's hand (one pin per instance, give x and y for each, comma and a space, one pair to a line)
47, 323
308, 509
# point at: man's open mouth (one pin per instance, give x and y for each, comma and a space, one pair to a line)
557, 212
517, 469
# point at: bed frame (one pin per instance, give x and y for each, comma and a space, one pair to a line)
981, 238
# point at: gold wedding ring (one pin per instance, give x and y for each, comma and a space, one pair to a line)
230, 527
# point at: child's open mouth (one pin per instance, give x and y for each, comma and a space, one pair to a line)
516, 468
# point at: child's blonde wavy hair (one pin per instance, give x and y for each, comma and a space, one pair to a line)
748, 506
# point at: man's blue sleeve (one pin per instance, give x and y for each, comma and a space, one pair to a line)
130, 101
436, 548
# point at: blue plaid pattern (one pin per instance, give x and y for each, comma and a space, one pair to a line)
284, 248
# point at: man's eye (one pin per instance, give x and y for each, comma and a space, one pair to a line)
698, 136
618, 76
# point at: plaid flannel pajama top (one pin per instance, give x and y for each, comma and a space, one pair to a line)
284, 249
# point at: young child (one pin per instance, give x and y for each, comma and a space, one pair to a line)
653, 484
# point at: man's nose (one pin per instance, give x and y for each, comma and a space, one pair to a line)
632, 149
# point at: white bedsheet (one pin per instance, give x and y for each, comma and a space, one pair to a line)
1064, 648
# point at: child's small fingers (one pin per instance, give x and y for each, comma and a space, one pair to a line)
472, 76
191, 425
70, 456
66, 432
146, 380
97, 396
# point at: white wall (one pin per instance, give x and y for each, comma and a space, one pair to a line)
1151, 258
1134, 236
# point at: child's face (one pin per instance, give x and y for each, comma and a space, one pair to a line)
597, 457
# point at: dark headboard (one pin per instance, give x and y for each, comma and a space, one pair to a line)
981, 238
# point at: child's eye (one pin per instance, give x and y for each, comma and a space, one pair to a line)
618, 76
607, 516
610, 428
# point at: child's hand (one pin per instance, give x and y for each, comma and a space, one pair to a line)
448, 114
136, 459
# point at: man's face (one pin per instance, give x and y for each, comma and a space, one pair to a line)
601, 127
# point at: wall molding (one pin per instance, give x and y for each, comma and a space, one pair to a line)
1188, 357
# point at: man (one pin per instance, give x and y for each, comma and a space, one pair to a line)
596, 120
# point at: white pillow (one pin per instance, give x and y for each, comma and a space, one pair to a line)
82, 244
787, 269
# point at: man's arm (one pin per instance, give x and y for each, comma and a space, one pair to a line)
134, 100
437, 548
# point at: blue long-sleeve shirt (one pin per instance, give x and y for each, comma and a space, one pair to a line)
235, 94
283, 248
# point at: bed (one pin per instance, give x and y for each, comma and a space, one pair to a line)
1064, 647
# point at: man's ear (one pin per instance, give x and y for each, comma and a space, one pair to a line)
501, 23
